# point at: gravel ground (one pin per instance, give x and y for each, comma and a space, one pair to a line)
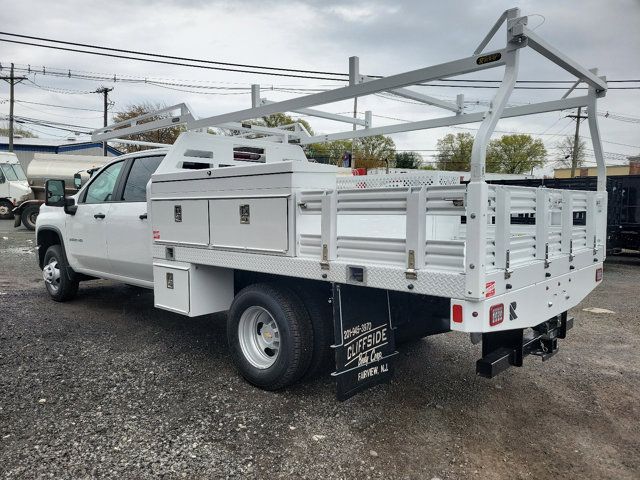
106, 386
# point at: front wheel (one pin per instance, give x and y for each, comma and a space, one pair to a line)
59, 279
6, 208
270, 336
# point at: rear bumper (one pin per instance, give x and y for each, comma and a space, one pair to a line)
527, 306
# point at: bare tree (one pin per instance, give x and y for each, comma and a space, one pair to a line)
565, 152
165, 135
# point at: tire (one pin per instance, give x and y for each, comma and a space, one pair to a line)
270, 336
59, 279
6, 208
29, 215
321, 316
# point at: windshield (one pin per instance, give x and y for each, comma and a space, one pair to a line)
19, 172
13, 172
9, 173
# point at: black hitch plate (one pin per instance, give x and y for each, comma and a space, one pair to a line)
501, 350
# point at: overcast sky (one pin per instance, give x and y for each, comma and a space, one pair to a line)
388, 36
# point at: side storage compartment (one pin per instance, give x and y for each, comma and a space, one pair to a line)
181, 221
190, 289
255, 223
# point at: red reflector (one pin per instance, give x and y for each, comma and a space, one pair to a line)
457, 313
599, 274
496, 314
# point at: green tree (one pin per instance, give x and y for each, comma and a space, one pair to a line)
165, 135
374, 152
408, 160
454, 152
329, 152
279, 120
428, 166
565, 152
369, 152
516, 153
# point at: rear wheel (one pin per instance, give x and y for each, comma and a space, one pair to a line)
5, 210
29, 216
270, 335
59, 279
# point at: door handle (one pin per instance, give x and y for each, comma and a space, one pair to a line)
99, 215
143, 216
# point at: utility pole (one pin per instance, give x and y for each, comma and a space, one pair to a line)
576, 141
105, 91
12, 80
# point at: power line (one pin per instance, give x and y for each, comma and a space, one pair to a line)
59, 90
241, 65
29, 107
95, 76
67, 107
51, 122
166, 62
173, 85
170, 57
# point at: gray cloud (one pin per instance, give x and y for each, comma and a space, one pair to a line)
389, 36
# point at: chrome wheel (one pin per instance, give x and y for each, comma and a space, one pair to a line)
51, 275
4, 209
259, 337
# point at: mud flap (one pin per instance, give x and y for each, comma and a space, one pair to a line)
17, 216
364, 344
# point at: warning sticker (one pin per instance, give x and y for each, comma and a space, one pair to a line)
156, 234
490, 289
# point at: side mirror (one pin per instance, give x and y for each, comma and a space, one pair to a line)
54, 193
77, 181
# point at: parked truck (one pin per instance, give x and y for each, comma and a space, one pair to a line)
623, 216
313, 268
14, 188
51, 166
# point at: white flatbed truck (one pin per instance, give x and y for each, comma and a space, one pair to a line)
314, 268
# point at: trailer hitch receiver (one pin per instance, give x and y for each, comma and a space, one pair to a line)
501, 350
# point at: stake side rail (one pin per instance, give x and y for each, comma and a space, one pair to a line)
416, 239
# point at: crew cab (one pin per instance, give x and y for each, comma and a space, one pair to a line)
106, 232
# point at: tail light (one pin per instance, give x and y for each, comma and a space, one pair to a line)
496, 314
457, 313
599, 273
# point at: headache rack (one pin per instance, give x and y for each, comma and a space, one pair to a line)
418, 233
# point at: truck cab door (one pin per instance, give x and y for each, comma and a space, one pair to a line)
128, 229
86, 242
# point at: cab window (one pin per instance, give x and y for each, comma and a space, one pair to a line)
102, 188
135, 189
9, 173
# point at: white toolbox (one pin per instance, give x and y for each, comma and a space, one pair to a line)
190, 289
